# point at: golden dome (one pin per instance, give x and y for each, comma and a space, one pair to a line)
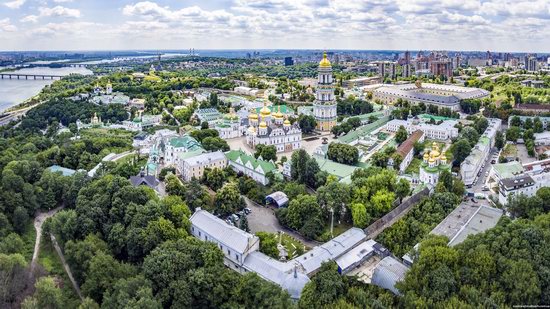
263, 125
265, 111
278, 114
287, 122
443, 157
434, 154
426, 156
325, 63
253, 116
432, 160
251, 129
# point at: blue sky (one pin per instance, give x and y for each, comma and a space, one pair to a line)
502, 25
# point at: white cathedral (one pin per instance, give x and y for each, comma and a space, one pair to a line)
273, 129
325, 106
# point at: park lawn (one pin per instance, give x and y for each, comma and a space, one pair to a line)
29, 237
293, 246
510, 150
414, 167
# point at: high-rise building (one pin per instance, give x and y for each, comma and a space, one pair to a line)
289, 61
441, 67
406, 70
382, 69
407, 57
531, 64
324, 107
393, 70
456, 62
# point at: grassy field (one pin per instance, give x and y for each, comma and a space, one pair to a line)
104, 132
414, 167
510, 150
293, 246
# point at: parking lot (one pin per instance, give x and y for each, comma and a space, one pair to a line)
262, 219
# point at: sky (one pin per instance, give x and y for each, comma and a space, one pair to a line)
496, 25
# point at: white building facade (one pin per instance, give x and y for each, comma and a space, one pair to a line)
444, 131
193, 167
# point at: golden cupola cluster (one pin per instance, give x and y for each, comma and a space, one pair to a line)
433, 155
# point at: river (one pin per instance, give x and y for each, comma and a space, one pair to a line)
14, 91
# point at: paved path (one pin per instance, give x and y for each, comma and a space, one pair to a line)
262, 219
66, 266
38, 221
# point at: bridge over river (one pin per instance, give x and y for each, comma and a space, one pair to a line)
7, 75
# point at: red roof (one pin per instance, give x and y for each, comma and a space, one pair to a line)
408, 144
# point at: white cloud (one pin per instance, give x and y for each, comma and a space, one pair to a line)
29, 19
6, 26
59, 11
15, 4
64, 29
362, 24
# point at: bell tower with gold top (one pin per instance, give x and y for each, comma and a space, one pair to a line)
324, 107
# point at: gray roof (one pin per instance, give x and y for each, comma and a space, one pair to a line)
410, 91
278, 197
283, 274
231, 236
311, 261
356, 255
204, 158
520, 181
483, 219
388, 272
148, 180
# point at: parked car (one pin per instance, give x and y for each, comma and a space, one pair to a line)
241, 213
247, 211
473, 200
235, 217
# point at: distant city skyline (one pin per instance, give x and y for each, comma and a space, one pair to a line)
461, 25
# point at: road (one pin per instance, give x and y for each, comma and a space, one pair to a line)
38, 222
481, 181
262, 219
66, 266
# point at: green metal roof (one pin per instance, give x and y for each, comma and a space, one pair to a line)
185, 141
64, 171
507, 170
435, 169
334, 168
275, 108
436, 118
363, 130
266, 166
190, 154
